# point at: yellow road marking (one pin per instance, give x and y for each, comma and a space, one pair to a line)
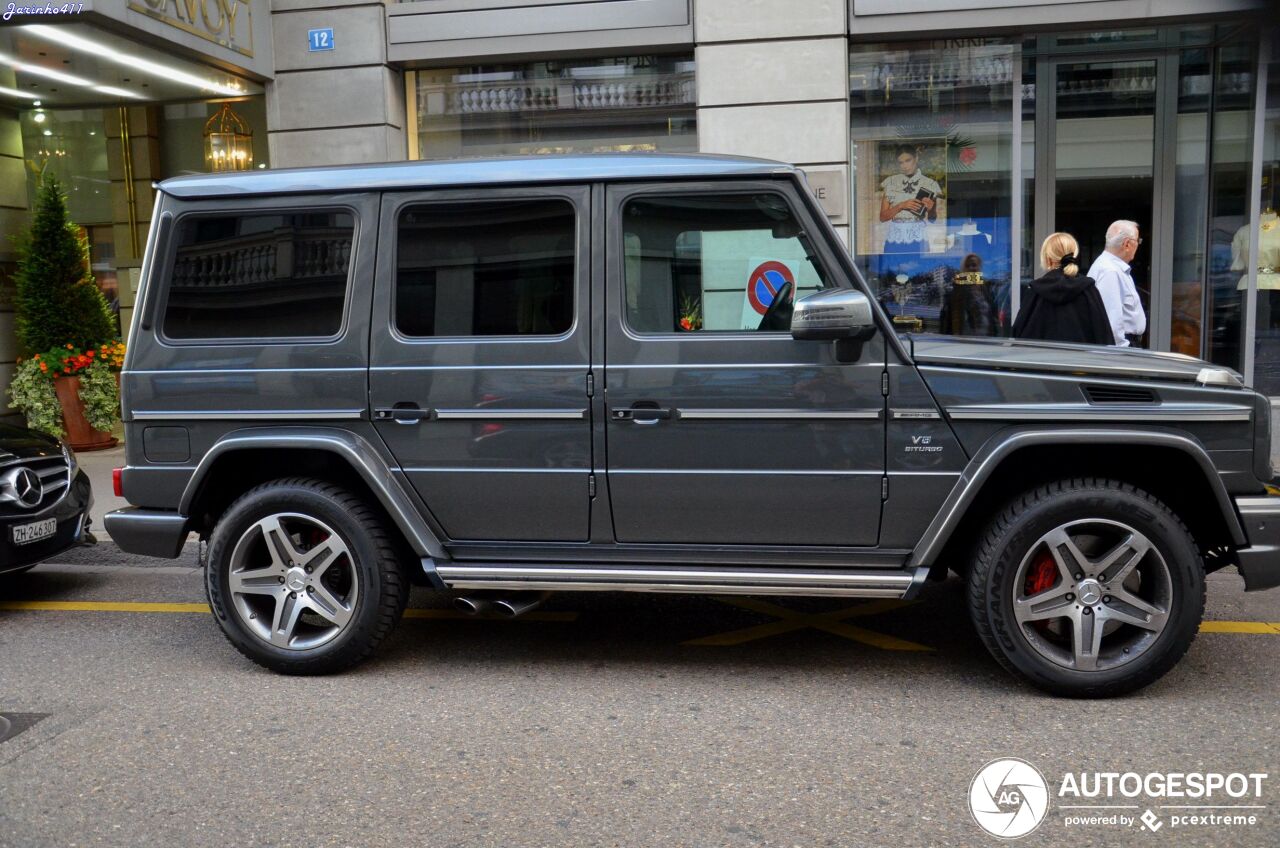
829, 622
100, 606
139, 606
1270, 628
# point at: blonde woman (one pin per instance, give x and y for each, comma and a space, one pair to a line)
1063, 305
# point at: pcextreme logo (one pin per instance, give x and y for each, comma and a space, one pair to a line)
1009, 798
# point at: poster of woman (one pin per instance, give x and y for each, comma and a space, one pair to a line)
913, 177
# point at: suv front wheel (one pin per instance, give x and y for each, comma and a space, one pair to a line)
1087, 588
303, 578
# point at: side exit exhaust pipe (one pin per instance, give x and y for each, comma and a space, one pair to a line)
472, 606
519, 605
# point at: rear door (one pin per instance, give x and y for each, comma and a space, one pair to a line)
721, 428
479, 358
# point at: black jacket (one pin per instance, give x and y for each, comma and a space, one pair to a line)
1064, 309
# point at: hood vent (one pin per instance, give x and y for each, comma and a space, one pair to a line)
1119, 394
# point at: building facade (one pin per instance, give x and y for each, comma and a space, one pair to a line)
1012, 119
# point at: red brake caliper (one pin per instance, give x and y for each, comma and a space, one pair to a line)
1041, 576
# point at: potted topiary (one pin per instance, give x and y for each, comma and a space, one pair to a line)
66, 387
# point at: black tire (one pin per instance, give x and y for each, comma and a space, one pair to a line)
370, 560
1016, 535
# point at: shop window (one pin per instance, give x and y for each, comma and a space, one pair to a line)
486, 269
931, 163
617, 104
1266, 374
711, 263
267, 276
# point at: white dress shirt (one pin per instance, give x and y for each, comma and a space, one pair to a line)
1119, 296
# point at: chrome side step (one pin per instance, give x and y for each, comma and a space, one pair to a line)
861, 584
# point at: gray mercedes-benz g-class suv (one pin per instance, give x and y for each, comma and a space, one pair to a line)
647, 373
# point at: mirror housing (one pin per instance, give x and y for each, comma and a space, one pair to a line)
832, 315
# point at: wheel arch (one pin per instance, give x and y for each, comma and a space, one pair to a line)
243, 458
1016, 461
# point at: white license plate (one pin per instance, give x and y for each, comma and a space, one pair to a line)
24, 534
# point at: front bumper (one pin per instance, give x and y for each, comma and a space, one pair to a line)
72, 514
1259, 563
150, 532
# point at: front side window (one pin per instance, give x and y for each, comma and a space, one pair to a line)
707, 263
504, 268
268, 275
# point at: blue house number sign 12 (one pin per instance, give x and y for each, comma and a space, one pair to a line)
320, 39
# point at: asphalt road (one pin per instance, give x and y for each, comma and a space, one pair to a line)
605, 719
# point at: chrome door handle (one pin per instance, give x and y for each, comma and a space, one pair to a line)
402, 413
642, 413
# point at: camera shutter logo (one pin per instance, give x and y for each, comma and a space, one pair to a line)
1009, 798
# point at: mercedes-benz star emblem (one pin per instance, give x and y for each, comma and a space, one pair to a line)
26, 487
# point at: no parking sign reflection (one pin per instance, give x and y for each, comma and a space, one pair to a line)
765, 282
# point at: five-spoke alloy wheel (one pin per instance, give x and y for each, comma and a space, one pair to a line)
1087, 588
292, 581
303, 578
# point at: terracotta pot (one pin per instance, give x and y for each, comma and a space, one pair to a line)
80, 436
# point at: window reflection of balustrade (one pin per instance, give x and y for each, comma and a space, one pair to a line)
557, 95
313, 254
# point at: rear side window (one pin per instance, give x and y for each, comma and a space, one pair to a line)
500, 268
270, 275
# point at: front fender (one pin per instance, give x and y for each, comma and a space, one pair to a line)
1001, 445
353, 449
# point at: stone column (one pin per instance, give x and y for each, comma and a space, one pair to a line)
13, 220
336, 106
773, 82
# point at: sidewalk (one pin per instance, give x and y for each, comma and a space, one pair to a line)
98, 465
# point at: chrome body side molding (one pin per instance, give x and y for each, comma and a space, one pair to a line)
1097, 412
797, 414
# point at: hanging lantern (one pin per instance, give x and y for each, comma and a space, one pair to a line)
228, 142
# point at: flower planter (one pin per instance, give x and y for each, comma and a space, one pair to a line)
80, 436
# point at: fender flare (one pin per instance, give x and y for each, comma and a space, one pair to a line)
1001, 445
351, 448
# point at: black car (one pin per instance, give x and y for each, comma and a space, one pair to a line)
44, 499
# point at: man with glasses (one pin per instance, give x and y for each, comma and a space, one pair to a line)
1119, 295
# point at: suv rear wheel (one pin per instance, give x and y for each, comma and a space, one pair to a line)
1087, 588
303, 578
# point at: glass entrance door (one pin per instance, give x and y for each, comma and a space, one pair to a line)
1103, 158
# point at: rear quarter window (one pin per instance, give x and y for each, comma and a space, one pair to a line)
259, 275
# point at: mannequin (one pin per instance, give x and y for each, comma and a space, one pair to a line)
1268, 251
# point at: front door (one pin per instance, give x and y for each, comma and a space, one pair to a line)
722, 429
479, 358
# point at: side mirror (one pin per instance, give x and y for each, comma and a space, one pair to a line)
833, 315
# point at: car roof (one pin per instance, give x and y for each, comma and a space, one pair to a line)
514, 170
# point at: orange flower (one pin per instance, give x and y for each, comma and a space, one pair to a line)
69, 346
44, 367
89, 354
686, 324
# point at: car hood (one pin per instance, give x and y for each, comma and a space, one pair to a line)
22, 443
1061, 357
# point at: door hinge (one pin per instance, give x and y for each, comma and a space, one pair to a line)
884, 383
591, 485
884, 488
591, 385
